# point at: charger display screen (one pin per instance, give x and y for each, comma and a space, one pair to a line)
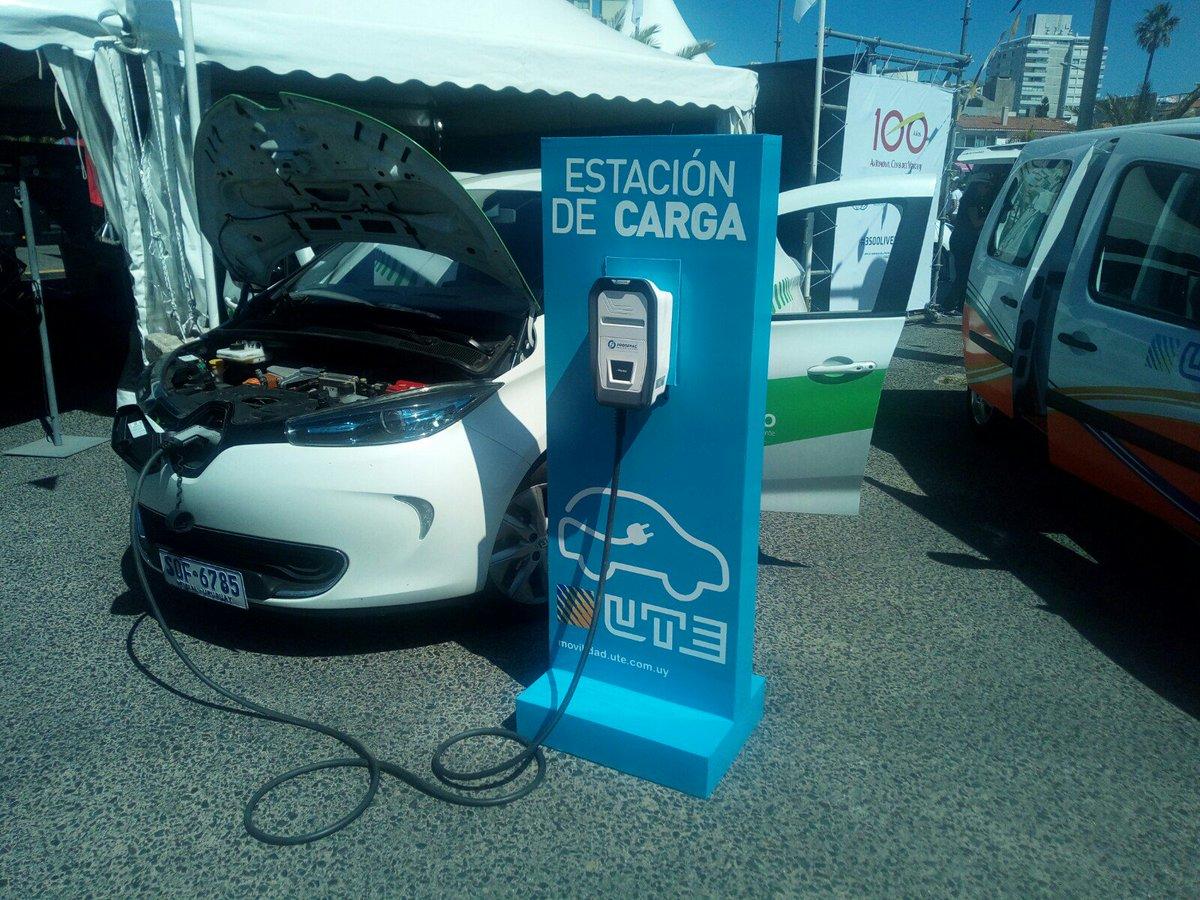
621, 370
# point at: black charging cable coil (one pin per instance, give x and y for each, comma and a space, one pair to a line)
451, 785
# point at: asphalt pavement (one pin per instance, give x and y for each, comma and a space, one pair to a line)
987, 683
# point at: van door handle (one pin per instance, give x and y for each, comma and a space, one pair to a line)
1008, 300
846, 368
1078, 340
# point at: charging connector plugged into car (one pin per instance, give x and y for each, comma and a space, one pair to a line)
459, 787
630, 332
177, 440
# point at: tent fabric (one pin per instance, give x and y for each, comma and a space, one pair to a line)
138, 142
118, 64
525, 45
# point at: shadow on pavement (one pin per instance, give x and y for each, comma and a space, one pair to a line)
962, 560
766, 559
950, 359
513, 641
1113, 573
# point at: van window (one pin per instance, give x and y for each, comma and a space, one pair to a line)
1149, 254
1026, 208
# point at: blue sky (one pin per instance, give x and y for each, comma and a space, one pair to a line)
745, 32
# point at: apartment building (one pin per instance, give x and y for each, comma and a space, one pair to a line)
1040, 72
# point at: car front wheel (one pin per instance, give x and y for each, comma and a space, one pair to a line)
518, 571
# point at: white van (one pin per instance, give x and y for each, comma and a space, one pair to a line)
1083, 310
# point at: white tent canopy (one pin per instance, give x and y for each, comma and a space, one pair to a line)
118, 64
527, 45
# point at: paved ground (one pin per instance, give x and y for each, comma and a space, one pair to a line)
986, 684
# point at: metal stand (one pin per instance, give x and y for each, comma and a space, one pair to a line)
943, 194
55, 444
810, 220
920, 59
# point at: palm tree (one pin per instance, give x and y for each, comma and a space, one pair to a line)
617, 19
648, 35
691, 51
1114, 110
1181, 108
1153, 31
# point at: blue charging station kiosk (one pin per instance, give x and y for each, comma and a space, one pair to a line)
668, 693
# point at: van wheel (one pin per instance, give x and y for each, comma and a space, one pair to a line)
518, 571
984, 420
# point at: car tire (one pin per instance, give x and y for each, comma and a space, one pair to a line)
982, 415
518, 569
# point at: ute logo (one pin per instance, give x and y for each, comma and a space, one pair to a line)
638, 622
641, 523
893, 128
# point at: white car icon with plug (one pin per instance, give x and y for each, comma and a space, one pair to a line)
641, 522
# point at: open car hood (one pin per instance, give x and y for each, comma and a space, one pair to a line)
270, 182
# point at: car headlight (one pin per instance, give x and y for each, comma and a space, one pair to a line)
391, 420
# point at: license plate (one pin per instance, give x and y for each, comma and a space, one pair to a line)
210, 582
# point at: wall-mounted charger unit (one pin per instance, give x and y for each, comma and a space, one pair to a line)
629, 329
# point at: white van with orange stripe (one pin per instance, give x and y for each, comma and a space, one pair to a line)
1083, 310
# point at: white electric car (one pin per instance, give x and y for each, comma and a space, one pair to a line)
377, 419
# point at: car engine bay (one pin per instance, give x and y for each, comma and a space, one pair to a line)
264, 381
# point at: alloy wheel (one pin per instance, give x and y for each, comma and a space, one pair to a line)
518, 569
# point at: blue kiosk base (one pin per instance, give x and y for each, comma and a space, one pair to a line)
677, 746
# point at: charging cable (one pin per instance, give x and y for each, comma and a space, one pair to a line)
452, 785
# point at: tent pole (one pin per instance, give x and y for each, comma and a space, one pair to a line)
943, 193
820, 87
39, 307
56, 445
193, 101
810, 221
778, 29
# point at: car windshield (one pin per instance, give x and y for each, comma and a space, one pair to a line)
414, 280
517, 218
